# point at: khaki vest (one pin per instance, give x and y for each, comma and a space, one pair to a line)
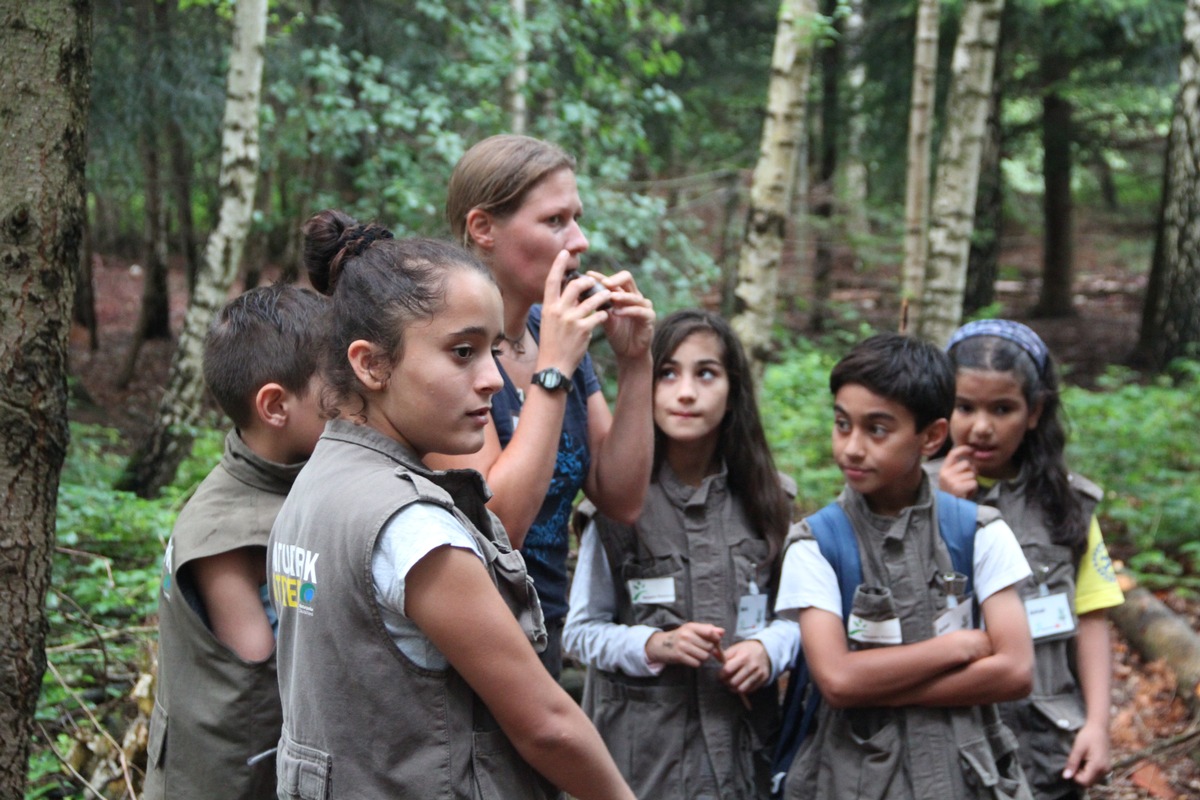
912, 752
213, 711
683, 733
360, 719
1052, 715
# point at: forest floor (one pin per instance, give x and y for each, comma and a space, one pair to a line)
1109, 282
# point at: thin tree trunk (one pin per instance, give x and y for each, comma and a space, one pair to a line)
83, 309
153, 466
823, 194
983, 262
920, 127
1171, 312
771, 192
46, 64
519, 76
855, 169
1057, 206
181, 155
154, 317
953, 215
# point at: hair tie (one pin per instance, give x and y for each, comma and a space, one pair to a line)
360, 237
1020, 335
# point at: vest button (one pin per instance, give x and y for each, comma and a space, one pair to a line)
1064, 724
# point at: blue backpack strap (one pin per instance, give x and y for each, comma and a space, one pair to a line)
835, 537
831, 528
956, 523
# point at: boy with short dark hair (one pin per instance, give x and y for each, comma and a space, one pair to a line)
217, 713
907, 681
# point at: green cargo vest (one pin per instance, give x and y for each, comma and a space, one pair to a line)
912, 752
360, 719
682, 733
213, 711
1052, 715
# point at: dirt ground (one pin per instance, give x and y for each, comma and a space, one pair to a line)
1146, 712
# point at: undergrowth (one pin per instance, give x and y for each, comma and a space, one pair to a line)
1135, 439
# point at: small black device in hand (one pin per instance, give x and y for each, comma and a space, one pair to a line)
595, 287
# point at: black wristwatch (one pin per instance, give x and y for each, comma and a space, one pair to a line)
551, 379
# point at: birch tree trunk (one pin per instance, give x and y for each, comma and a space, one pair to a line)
153, 466
953, 215
1171, 313
772, 186
920, 125
515, 85
855, 170
45, 70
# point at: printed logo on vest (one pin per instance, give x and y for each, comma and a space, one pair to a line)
294, 577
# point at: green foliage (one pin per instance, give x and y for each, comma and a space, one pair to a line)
104, 586
797, 413
1138, 442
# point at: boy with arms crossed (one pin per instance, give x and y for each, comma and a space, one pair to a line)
217, 713
908, 686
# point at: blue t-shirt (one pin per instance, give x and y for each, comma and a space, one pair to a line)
546, 544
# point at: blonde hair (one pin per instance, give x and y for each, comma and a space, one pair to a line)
496, 175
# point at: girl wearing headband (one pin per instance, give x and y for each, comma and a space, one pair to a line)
1009, 439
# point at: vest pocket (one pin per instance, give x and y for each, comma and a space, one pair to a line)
991, 767
861, 756
156, 747
517, 589
303, 772
662, 612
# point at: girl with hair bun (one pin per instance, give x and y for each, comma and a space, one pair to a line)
513, 201
407, 623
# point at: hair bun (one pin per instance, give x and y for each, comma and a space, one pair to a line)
357, 239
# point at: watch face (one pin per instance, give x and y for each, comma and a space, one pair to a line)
550, 379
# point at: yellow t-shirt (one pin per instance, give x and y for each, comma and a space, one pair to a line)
1096, 583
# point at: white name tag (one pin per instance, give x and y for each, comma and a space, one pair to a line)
651, 591
752, 615
956, 618
868, 632
1049, 615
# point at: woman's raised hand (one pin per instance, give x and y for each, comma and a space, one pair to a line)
568, 321
630, 323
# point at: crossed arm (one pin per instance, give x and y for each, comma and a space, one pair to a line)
969, 667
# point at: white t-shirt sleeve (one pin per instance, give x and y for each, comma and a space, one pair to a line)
590, 633
999, 561
806, 580
410, 535
781, 639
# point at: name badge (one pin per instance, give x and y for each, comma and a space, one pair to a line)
651, 591
1049, 615
752, 614
869, 632
955, 618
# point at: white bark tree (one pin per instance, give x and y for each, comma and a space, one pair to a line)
1171, 313
519, 77
920, 126
771, 192
154, 464
45, 72
855, 170
952, 217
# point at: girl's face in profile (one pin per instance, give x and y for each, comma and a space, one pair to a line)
437, 398
691, 390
